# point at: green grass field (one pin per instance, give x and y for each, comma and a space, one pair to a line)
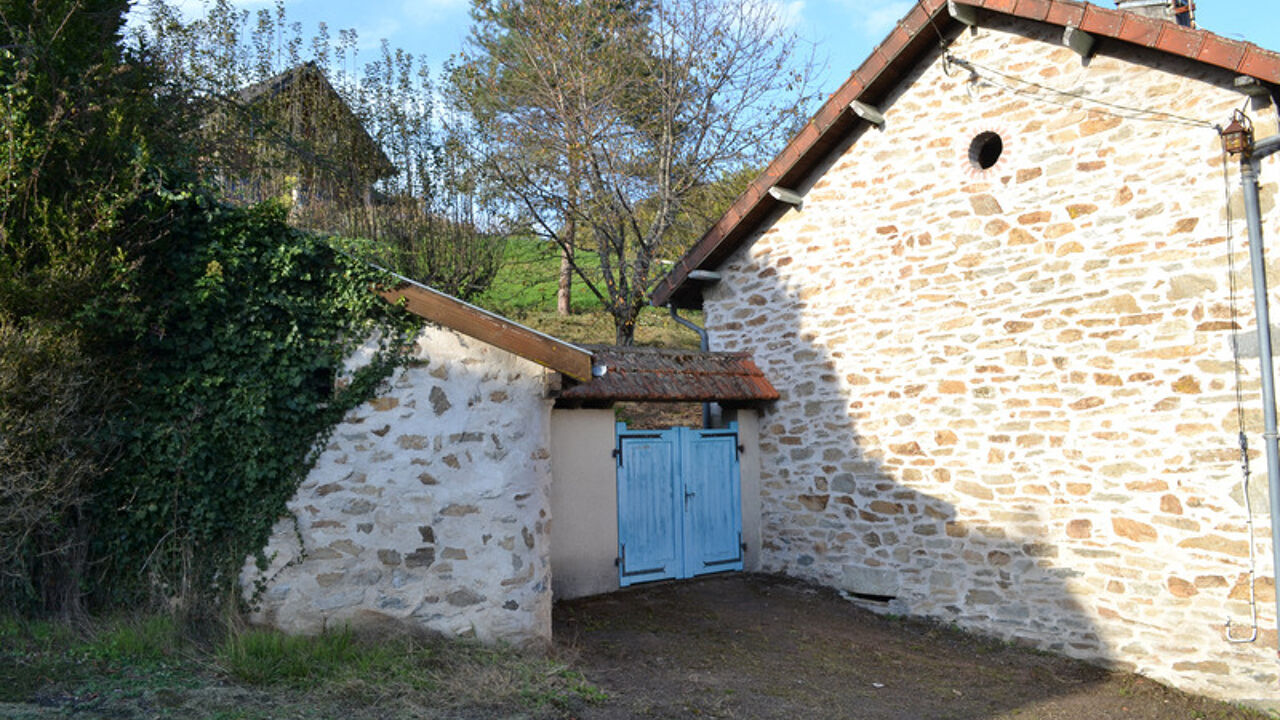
525, 291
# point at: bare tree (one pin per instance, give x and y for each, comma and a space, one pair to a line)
540, 77
630, 110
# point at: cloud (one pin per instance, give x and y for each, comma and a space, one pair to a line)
879, 21
790, 13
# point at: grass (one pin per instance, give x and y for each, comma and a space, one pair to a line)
525, 290
149, 667
530, 276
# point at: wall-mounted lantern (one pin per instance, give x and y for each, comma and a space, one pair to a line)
1237, 137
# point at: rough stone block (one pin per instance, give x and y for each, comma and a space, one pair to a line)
870, 580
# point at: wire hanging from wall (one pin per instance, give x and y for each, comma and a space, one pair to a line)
1074, 100
1065, 98
1240, 419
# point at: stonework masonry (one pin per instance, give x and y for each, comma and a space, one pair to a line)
1008, 394
429, 505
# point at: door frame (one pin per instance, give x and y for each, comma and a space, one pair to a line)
684, 503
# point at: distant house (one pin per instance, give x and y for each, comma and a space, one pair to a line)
991, 280
292, 137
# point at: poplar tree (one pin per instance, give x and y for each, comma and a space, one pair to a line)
542, 79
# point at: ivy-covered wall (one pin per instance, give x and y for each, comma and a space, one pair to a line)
239, 328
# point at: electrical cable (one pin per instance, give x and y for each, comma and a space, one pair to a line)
1133, 112
1240, 418
942, 40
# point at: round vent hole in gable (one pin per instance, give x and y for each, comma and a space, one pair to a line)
985, 150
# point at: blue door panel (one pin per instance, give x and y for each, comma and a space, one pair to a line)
649, 513
713, 513
679, 504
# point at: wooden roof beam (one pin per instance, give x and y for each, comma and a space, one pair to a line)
491, 328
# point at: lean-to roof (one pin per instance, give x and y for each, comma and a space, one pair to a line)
669, 375
446, 310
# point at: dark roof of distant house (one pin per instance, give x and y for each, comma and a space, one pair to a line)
670, 375
284, 81
915, 35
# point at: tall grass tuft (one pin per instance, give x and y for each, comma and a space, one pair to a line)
264, 657
154, 666
151, 637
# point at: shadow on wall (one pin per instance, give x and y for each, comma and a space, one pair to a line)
840, 510
1007, 393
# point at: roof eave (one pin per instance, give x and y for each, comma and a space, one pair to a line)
928, 22
446, 310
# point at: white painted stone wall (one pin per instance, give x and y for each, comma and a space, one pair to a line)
430, 505
1007, 395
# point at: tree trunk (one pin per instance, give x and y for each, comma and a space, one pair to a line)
564, 293
624, 326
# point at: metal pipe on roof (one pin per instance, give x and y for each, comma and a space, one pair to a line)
1257, 260
705, 344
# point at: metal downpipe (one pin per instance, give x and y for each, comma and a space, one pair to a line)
1257, 263
705, 344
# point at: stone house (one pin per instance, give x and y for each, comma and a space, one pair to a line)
434, 503
992, 279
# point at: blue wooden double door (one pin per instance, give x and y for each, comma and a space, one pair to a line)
679, 503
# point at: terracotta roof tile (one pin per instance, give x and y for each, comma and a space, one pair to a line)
1220, 51
915, 20
1065, 14
894, 44
1033, 9
889, 62
871, 68
1102, 21
1141, 30
1258, 64
1179, 40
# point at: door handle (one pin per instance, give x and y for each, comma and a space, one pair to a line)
688, 494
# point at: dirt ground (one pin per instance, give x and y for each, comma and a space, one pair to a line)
754, 646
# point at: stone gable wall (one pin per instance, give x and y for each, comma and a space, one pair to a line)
1008, 395
430, 505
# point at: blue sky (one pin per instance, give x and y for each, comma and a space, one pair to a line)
843, 31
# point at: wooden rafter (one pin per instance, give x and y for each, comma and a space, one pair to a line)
491, 328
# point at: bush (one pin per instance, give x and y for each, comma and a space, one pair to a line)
242, 325
50, 417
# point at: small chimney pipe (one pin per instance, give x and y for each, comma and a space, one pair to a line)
1181, 12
